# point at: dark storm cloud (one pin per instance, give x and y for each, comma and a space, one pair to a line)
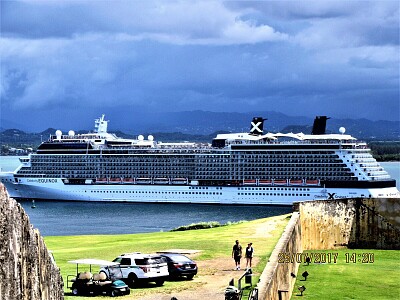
300, 58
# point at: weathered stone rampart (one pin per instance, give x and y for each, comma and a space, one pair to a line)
276, 281
27, 271
389, 208
330, 224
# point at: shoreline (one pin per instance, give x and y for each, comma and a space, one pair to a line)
61, 218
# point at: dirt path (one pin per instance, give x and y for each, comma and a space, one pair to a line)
214, 275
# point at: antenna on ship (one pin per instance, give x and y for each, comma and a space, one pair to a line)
100, 125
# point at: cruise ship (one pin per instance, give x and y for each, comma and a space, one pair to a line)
236, 168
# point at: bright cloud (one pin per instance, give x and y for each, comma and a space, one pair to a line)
211, 55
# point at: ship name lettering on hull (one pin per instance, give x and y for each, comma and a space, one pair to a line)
47, 180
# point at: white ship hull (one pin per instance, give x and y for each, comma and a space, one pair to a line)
56, 189
237, 168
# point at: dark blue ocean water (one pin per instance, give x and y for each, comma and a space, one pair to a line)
81, 218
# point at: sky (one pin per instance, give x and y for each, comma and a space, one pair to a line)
66, 62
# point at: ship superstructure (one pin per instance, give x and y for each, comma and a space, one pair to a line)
237, 168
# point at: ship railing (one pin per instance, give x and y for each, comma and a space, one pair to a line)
75, 138
291, 142
379, 177
148, 150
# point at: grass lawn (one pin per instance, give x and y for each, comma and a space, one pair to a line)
213, 243
349, 277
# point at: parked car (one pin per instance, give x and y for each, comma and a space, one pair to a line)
86, 283
180, 265
136, 268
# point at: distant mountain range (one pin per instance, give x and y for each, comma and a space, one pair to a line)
202, 126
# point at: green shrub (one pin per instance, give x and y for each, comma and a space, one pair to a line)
205, 225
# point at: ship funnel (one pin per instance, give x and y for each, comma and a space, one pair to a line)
319, 126
256, 126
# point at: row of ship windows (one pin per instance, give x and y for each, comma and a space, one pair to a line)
369, 156
255, 153
158, 192
216, 167
284, 161
262, 155
118, 161
211, 169
226, 175
186, 161
242, 171
274, 189
200, 193
252, 170
202, 188
268, 158
307, 175
273, 194
283, 173
255, 166
285, 153
291, 171
47, 168
247, 175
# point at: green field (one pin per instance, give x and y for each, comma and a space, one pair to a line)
213, 243
348, 278
368, 274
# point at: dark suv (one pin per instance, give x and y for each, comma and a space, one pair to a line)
180, 265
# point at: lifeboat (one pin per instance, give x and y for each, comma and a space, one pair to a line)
280, 181
179, 181
249, 182
312, 182
143, 180
128, 181
102, 180
265, 182
296, 182
161, 181
115, 180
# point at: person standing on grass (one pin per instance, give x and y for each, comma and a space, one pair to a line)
237, 254
249, 255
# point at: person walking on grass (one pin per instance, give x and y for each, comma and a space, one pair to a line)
237, 254
249, 255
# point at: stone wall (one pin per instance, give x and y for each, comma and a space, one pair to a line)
27, 270
276, 281
389, 208
326, 224
331, 224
